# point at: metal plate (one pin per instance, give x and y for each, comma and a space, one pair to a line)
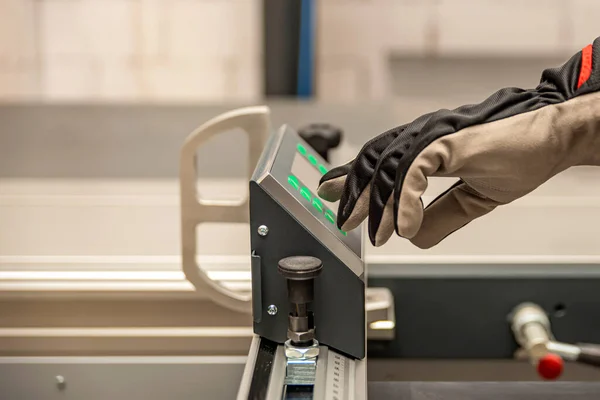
272, 173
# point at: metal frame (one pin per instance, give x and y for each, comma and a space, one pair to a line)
337, 376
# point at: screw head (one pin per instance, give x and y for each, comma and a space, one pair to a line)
60, 381
263, 230
272, 309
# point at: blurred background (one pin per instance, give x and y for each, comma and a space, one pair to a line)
214, 50
98, 96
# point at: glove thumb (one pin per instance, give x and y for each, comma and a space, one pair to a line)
449, 212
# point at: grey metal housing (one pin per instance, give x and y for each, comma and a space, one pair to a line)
339, 304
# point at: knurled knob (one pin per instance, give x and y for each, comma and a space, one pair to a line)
298, 268
322, 137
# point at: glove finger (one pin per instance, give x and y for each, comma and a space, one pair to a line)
382, 205
331, 184
387, 226
451, 211
406, 218
409, 189
354, 202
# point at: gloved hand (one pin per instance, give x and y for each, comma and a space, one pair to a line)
501, 149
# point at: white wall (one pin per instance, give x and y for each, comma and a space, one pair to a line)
209, 50
357, 38
151, 50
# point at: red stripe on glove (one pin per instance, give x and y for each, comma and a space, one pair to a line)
586, 65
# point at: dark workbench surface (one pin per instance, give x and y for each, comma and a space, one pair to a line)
484, 390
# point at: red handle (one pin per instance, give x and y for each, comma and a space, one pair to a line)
550, 366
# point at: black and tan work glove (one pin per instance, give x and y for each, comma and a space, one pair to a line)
501, 149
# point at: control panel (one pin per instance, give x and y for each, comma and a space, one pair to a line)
289, 221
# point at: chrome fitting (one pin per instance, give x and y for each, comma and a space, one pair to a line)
308, 352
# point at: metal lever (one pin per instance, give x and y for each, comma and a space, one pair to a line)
589, 354
531, 328
255, 122
321, 137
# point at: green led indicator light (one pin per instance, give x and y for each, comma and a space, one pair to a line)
312, 159
322, 169
330, 217
305, 193
317, 204
301, 149
343, 233
292, 180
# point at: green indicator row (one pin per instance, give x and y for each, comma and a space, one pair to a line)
306, 193
301, 149
330, 217
312, 159
292, 180
317, 204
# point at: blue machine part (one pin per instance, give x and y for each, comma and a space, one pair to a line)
306, 50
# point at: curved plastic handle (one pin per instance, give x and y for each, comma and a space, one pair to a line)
255, 122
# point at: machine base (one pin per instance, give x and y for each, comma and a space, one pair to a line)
337, 376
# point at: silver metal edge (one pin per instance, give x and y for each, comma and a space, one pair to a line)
275, 389
349, 378
320, 388
354, 380
313, 226
248, 369
266, 160
359, 391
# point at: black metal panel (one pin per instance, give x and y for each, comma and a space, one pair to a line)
468, 318
339, 294
256, 288
484, 390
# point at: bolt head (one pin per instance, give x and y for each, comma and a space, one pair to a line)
263, 230
272, 309
60, 382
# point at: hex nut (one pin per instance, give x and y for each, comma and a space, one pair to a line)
301, 353
301, 336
